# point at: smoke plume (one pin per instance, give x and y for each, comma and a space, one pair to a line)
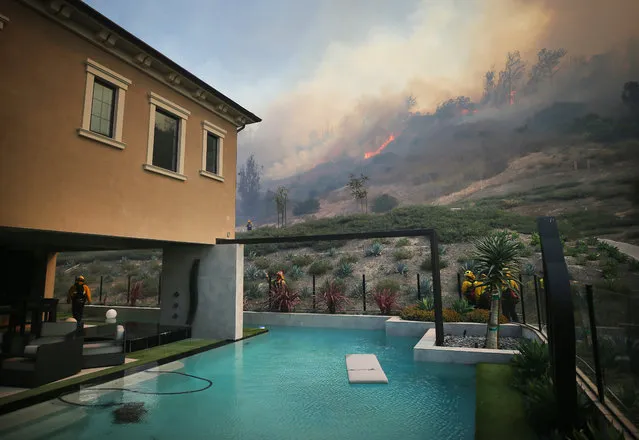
346, 104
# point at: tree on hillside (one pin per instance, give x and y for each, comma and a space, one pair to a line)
548, 61
451, 108
489, 87
249, 184
359, 191
281, 199
496, 255
411, 102
630, 96
510, 77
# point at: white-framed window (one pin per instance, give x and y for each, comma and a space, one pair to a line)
212, 151
167, 137
104, 95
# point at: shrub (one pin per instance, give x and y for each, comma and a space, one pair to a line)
450, 315
414, 313
386, 301
332, 294
302, 260
309, 206
535, 240
402, 254
481, 316
279, 266
592, 241
528, 270
388, 284
283, 299
252, 272
402, 242
612, 252
295, 273
254, 290
442, 250
462, 306
349, 258
592, 256
344, 270
401, 268
375, 250
532, 362
610, 269
633, 265
332, 252
384, 203
319, 268
262, 263
428, 266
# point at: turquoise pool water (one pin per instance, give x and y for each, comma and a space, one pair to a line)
292, 384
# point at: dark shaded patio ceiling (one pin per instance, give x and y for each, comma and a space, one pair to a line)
54, 241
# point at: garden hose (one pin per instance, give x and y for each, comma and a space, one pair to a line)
208, 385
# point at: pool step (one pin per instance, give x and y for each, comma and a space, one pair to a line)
364, 368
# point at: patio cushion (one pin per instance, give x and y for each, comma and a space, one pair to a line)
94, 348
57, 328
18, 364
31, 349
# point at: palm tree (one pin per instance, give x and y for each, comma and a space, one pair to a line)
496, 255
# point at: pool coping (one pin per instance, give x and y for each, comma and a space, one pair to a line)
25, 402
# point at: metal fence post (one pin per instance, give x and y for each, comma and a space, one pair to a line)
459, 285
101, 279
128, 289
537, 301
595, 344
437, 290
313, 293
419, 289
364, 291
521, 295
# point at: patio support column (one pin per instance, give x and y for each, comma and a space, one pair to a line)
203, 286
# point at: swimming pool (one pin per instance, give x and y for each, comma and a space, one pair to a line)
292, 384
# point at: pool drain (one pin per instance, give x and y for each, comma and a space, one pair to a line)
132, 412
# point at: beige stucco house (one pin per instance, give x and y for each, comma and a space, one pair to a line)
105, 143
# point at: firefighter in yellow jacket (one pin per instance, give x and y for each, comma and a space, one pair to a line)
468, 287
79, 294
483, 299
510, 298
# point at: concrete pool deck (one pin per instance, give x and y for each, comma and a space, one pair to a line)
139, 361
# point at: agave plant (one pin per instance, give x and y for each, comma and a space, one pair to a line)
344, 270
462, 306
428, 303
375, 250
496, 255
252, 272
468, 265
295, 273
401, 268
532, 361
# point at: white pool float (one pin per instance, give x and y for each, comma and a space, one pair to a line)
364, 368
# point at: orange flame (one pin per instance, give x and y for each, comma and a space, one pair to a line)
370, 154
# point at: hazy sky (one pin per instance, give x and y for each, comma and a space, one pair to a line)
303, 65
254, 50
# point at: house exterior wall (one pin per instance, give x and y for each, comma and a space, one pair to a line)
54, 179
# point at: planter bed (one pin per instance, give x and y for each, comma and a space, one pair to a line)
505, 343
